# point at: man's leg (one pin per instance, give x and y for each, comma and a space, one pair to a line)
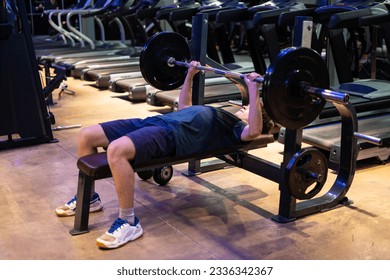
119, 153
88, 140
126, 228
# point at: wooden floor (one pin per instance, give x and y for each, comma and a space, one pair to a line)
224, 214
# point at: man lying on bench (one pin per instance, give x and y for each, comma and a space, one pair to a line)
191, 129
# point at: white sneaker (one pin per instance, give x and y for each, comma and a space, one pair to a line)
69, 209
119, 234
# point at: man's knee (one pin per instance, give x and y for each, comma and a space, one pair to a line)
92, 136
122, 148
85, 134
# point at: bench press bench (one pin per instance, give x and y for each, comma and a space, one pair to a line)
95, 167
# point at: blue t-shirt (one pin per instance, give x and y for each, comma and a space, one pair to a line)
203, 128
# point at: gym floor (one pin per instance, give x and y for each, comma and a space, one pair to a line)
224, 214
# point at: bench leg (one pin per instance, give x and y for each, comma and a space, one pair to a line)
84, 189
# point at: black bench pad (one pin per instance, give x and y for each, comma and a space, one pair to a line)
96, 165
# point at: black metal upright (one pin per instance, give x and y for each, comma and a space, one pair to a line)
24, 117
198, 47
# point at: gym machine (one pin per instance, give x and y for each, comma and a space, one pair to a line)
81, 57
370, 97
24, 117
100, 70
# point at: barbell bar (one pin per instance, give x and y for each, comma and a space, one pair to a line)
294, 87
327, 94
172, 62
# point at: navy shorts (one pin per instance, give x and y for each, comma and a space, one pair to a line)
151, 138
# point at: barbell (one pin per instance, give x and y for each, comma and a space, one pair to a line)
173, 62
294, 87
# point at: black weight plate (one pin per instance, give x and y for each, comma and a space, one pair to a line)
283, 100
306, 173
154, 56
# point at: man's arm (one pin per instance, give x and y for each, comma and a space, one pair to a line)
255, 117
185, 98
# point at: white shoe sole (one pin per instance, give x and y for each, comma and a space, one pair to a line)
69, 213
108, 245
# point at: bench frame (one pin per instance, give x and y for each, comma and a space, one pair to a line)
95, 167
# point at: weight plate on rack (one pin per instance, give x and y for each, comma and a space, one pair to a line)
306, 173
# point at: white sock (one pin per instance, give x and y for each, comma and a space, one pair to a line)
127, 214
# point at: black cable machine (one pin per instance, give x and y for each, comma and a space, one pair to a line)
24, 117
